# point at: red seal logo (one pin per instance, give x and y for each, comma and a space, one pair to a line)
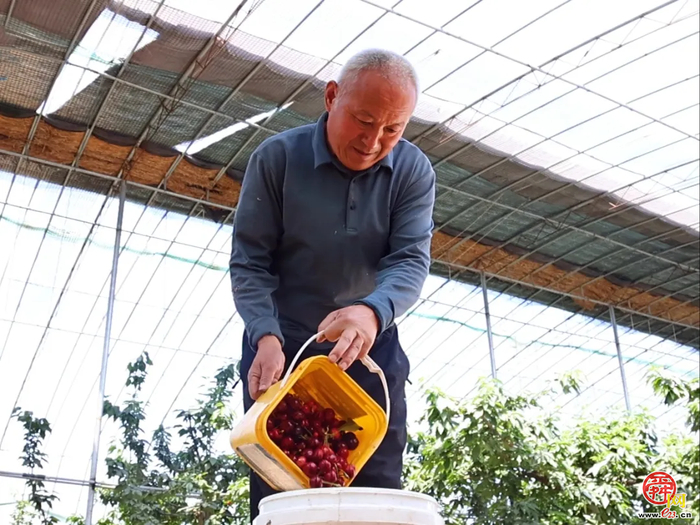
658, 487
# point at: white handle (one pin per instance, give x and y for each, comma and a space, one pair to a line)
375, 369
367, 361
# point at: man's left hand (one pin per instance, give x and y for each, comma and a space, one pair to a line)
353, 329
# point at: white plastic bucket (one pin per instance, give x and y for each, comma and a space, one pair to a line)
349, 506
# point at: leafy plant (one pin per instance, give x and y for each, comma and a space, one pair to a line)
39, 501
686, 458
24, 513
496, 458
156, 482
501, 458
192, 485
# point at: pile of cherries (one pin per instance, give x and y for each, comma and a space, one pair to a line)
313, 437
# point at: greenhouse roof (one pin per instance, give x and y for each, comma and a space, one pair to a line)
568, 162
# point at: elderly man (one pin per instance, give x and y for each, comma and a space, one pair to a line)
332, 234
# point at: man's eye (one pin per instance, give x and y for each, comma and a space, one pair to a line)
363, 122
392, 130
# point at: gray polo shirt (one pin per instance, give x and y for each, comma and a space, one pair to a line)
311, 236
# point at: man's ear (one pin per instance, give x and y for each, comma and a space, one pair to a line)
331, 94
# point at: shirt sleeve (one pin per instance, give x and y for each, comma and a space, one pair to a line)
257, 229
402, 272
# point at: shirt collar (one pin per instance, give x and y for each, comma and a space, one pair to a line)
323, 154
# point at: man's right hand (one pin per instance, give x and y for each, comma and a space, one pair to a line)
267, 366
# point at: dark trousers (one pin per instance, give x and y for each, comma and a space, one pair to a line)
383, 470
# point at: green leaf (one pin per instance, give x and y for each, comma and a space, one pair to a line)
350, 426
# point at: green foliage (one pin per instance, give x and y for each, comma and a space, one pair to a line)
500, 458
673, 389
156, 483
570, 381
497, 458
40, 501
686, 459
159, 485
24, 514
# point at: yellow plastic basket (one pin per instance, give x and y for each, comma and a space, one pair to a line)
318, 379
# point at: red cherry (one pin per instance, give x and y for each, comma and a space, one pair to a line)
310, 469
309, 454
287, 444
343, 451
286, 427
351, 441
315, 443
327, 451
342, 463
330, 477
301, 462
328, 415
274, 434
332, 459
282, 406
315, 482
269, 425
319, 455
350, 470
324, 466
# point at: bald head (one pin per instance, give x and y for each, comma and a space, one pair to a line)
369, 107
392, 66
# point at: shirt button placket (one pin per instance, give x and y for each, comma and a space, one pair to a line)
352, 221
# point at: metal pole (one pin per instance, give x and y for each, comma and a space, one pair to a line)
105, 354
8, 16
619, 359
488, 324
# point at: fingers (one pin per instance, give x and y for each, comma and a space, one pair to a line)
366, 347
351, 354
354, 329
254, 380
265, 371
267, 376
346, 349
330, 318
344, 342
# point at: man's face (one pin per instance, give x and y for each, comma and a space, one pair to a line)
366, 118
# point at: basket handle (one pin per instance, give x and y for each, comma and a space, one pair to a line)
367, 361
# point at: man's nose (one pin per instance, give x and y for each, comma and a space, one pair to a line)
371, 139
